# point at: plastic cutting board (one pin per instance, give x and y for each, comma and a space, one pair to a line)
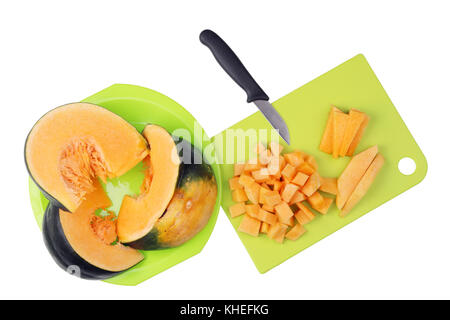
352, 84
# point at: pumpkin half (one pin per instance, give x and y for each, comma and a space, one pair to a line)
73, 145
82, 243
177, 197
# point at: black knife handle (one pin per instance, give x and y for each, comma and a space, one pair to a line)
230, 62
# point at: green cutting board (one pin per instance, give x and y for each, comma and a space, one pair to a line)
352, 84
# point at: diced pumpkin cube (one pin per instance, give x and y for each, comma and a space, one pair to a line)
326, 144
325, 206
272, 199
275, 148
277, 232
234, 183
364, 184
277, 186
275, 164
265, 186
283, 211
288, 172
238, 168
264, 227
289, 222
356, 118
298, 197
316, 200
340, 121
277, 176
312, 185
267, 217
252, 210
252, 192
252, 165
239, 195
288, 192
261, 175
268, 208
246, 180
294, 159
312, 162
306, 168
306, 210
328, 185
296, 232
264, 157
300, 179
352, 174
250, 226
237, 209
302, 217
358, 136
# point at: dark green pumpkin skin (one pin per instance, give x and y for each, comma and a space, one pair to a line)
63, 253
190, 171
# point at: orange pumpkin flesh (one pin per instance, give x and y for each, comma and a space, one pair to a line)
72, 145
90, 243
138, 215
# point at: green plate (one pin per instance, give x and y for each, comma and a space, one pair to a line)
140, 106
350, 85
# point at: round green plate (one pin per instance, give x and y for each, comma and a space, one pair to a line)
140, 106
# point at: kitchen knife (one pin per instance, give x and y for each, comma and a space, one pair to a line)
237, 71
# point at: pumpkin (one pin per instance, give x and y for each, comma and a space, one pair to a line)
81, 249
178, 201
363, 185
72, 146
352, 174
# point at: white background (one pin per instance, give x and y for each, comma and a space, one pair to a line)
53, 53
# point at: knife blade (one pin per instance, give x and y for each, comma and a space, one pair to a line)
230, 62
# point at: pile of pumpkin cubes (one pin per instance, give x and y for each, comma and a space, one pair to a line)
275, 192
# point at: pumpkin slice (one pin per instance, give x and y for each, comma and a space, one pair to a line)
356, 118
84, 243
137, 216
340, 121
326, 144
358, 136
190, 207
363, 185
72, 145
353, 173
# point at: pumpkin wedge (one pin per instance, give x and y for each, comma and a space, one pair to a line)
80, 248
137, 216
340, 121
363, 185
72, 145
356, 118
358, 136
352, 174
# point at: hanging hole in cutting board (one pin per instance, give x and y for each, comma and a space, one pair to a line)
407, 166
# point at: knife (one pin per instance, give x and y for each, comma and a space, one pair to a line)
229, 62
